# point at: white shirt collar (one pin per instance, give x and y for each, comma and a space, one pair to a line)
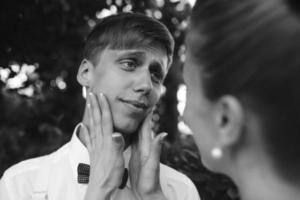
78, 152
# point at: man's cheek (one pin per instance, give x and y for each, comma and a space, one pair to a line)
155, 98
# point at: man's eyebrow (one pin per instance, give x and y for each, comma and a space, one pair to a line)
138, 54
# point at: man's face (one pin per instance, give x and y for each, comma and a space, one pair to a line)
132, 81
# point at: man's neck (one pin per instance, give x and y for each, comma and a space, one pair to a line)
127, 150
127, 138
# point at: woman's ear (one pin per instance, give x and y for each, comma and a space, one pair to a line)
231, 121
85, 72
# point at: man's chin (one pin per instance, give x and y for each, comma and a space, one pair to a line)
126, 130
127, 126
129, 136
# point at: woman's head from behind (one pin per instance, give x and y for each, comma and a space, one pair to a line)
243, 77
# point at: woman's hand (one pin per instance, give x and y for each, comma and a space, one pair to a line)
105, 149
144, 163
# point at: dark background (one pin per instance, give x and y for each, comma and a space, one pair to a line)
41, 102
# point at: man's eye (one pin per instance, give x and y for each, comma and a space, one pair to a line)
157, 77
128, 64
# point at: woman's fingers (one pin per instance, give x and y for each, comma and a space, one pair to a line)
86, 137
105, 147
156, 147
144, 173
91, 126
145, 136
107, 124
96, 118
101, 124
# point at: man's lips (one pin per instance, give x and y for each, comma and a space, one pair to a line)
136, 103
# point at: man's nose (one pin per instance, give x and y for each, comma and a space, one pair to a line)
143, 82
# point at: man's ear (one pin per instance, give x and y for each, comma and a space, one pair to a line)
230, 119
85, 72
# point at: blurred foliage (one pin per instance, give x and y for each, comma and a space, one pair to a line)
41, 102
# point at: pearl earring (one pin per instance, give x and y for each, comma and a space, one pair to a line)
84, 92
216, 153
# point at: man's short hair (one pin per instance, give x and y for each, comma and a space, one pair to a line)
128, 31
